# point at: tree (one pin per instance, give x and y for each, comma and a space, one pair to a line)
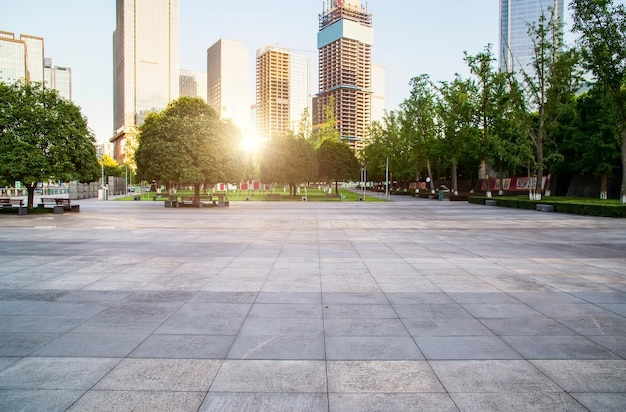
43, 137
337, 162
328, 129
456, 109
602, 26
111, 167
187, 143
288, 160
549, 84
419, 122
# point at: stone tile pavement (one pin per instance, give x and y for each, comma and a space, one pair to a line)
408, 305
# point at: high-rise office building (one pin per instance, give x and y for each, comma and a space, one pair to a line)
23, 59
345, 41
282, 91
228, 82
379, 92
193, 84
145, 64
516, 46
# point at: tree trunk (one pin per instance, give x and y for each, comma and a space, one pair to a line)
603, 186
538, 183
455, 180
430, 175
196, 192
337, 187
30, 187
623, 191
501, 177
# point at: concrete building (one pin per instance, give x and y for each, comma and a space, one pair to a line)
283, 91
145, 65
193, 84
228, 83
345, 41
516, 46
62, 77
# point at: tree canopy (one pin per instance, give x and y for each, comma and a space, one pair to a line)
187, 143
43, 137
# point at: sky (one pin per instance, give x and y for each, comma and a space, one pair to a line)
411, 38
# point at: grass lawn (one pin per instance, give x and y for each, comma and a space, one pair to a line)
313, 195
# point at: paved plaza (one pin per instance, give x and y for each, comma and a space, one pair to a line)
409, 305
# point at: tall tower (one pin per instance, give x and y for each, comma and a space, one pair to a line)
228, 83
345, 41
145, 64
21, 58
282, 91
516, 46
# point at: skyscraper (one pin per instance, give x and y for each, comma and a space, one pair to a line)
516, 46
21, 58
193, 84
282, 91
345, 41
228, 82
145, 64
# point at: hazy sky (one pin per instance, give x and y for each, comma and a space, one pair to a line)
411, 37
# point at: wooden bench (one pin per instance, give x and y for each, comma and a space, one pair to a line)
59, 205
8, 203
273, 196
545, 208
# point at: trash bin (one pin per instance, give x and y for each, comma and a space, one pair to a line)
440, 194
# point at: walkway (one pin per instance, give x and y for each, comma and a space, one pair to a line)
407, 305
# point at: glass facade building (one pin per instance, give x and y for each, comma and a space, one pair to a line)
145, 63
228, 82
193, 84
12, 58
516, 46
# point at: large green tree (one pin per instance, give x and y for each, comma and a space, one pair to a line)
602, 28
187, 143
460, 136
337, 162
43, 137
289, 160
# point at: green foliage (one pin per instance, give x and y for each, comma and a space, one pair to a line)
187, 143
328, 129
111, 167
288, 160
587, 207
337, 162
43, 137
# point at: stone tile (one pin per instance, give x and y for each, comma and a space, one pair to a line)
215, 310
505, 310
432, 312
602, 402
379, 377
165, 401
289, 297
271, 376
415, 402
282, 327
136, 324
465, 347
354, 298
38, 400
445, 327
286, 310
586, 375
558, 347
492, 376
23, 344
276, 402
419, 298
61, 373
371, 348
175, 375
184, 347
527, 326
223, 297
616, 344
40, 324
278, 347
364, 327
530, 402
200, 324
107, 345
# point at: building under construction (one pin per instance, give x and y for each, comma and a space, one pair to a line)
345, 41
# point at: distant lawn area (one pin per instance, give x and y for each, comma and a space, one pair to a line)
312, 195
574, 205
